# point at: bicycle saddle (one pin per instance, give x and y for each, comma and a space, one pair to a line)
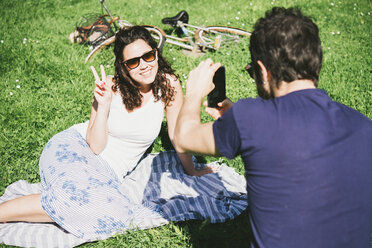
181, 16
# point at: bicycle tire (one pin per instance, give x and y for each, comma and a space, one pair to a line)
98, 48
156, 32
208, 35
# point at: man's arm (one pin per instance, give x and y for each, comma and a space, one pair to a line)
172, 111
190, 134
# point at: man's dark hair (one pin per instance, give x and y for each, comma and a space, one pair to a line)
288, 44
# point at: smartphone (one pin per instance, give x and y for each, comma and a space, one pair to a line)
218, 94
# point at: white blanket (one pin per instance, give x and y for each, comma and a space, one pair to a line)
160, 179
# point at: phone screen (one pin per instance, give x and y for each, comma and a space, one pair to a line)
218, 94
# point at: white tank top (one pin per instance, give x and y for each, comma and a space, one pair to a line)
129, 134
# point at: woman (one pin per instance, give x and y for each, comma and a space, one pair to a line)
82, 167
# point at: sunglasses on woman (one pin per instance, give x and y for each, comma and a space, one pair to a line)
134, 62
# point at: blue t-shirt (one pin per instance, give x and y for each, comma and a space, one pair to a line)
308, 164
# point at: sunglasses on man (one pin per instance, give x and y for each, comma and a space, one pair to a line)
135, 62
249, 69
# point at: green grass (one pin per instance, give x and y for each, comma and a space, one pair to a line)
46, 86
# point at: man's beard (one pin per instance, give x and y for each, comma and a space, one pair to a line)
262, 92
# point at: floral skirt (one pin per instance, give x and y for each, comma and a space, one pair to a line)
82, 194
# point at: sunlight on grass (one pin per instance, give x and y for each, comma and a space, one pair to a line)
47, 87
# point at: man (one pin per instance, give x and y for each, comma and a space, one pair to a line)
308, 159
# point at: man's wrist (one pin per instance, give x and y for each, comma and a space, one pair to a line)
192, 97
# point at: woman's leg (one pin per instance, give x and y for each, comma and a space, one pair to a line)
80, 191
25, 208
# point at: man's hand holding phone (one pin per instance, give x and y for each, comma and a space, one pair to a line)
209, 78
218, 94
222, 107
217, 103
199, 83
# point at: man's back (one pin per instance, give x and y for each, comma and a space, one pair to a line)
308, 164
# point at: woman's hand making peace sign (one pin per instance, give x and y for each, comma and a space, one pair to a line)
97, 129
103, 90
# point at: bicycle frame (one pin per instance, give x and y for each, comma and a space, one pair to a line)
190, 37
196, 39
109, 13
182, 41
193, 43
174, 40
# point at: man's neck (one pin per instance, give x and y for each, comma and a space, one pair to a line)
286, 88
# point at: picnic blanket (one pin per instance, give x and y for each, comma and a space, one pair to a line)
159, 179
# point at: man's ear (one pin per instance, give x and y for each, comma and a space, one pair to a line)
266, 76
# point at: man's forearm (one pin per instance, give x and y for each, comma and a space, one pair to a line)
191, 135
188, 119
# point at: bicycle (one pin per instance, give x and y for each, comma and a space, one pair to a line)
101, 33
190, 37
198, 38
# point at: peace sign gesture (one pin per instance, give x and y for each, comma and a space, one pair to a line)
102, 91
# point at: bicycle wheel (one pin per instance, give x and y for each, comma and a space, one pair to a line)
98, 48
157, 33
215, 37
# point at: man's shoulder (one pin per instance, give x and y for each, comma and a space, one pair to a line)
248, 103
252, 107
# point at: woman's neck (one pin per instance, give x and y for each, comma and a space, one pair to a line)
145, 89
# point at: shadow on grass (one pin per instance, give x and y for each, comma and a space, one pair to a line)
230, 234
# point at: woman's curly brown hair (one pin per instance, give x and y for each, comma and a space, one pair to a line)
129, 89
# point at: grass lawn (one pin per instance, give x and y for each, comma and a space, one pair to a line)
47, 87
